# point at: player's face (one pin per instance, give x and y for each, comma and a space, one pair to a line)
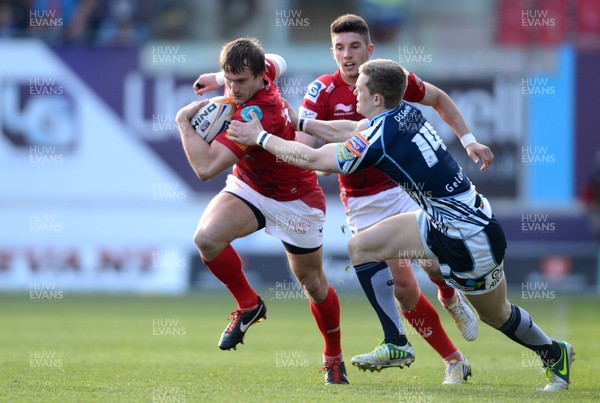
243, 86
350, 51
364, 100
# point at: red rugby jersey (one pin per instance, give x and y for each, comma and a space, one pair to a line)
330, 98
263, 171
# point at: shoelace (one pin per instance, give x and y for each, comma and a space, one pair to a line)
334, 367
233, 317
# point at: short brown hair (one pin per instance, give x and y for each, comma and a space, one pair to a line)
386, 77
243, 53
351, 23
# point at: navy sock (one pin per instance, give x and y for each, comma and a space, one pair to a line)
522, 329
378, 285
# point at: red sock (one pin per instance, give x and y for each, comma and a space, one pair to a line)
227, 267
327, 316
444, 290
426, 321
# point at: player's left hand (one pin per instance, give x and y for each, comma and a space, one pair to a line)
245, 132
481, 152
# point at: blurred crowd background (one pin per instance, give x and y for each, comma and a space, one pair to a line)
97, 193
461, 24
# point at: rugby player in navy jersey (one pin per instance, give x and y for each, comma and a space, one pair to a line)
369, 196
455, 223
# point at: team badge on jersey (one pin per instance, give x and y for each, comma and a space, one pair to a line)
357, 144
314, 90
245, 114
343, 154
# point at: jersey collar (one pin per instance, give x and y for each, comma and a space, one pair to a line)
382, 115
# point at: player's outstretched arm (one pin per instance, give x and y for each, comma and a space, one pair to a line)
207, 160
449, 112
331, 131
295, 153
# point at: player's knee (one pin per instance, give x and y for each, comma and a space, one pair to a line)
205, 243
311, 283
355, 251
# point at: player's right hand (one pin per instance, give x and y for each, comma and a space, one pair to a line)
479, 151
291, 113
206, 83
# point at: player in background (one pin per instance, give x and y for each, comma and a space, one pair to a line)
262, 192
455, 223
369, 196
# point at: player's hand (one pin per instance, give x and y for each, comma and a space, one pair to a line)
206, 83
245, 132
291, 113
481, 152
186, 113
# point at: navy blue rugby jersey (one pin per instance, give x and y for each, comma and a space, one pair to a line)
403, 144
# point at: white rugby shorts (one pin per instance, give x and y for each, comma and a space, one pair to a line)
366, 211
293, 222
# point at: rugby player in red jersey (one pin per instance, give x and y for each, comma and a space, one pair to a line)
262, 192
369, 196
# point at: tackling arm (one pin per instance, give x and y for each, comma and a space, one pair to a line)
292, 152
331, 131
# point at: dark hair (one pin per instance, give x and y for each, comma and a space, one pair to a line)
243, 53
385, 77
351, 23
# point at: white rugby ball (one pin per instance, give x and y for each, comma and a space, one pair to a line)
213, 118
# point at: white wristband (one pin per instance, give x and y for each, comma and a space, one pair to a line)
262, 138
220, 77
467, 139
301, 124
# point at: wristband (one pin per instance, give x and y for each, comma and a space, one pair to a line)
220, 77
301, 124
263, 137
467, 139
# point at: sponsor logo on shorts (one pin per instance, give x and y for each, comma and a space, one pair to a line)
494, 278
488, 282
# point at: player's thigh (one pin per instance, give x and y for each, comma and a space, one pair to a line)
393, 238
226, 218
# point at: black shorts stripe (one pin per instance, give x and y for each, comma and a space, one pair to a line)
496, 239
262, 221
296, 250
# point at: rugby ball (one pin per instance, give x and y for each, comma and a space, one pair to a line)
213, 118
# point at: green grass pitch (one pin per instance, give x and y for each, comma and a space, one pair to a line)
164, 349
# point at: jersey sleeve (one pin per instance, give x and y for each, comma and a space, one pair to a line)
314, 103
271, 73
415, 87
350, 154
